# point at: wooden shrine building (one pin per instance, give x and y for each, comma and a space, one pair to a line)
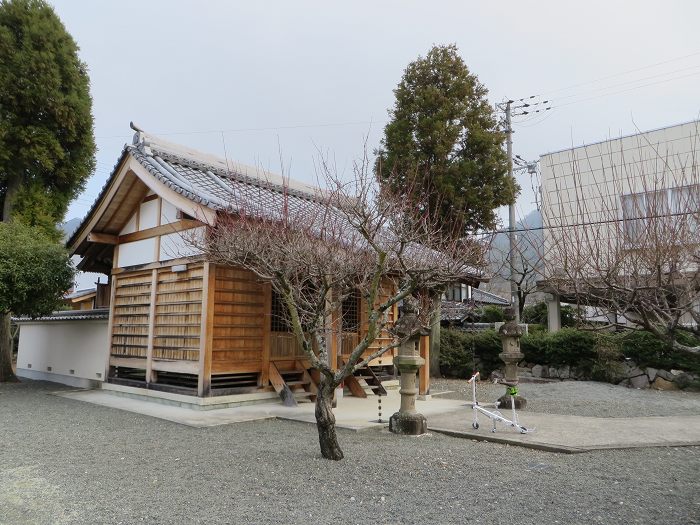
176, 322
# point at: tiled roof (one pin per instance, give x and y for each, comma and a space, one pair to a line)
455, 310
80, 293
68, 315
213, 182
206, 181
483, 297
227, 186
459, 310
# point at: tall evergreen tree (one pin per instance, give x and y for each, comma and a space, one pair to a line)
47, 152
47, 149
442, 147
443, 151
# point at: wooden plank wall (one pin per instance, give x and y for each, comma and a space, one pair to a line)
129, 337
241, 323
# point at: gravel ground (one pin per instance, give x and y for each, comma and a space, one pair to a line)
581, 398
66, 462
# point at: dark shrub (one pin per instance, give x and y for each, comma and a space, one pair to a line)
570, 347
461, 352
646, 350
456, 353
537, 314
534, 346
487, 346
607, 365
492, 314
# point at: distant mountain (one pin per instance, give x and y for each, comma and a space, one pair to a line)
531, 220
69, 227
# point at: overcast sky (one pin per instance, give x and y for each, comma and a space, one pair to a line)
302, 77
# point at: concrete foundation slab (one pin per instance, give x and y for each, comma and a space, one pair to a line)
571, 434
556, 433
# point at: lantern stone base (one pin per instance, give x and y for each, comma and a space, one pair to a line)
504, 402
407, 423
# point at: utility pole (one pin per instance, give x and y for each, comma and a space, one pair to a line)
514, 300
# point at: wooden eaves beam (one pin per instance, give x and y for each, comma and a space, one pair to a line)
102, 238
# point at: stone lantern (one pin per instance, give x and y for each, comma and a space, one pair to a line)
408, 328
510, 333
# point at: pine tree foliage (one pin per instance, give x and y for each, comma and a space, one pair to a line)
442, 147
46, 127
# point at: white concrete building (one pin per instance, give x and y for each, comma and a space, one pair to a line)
603, 197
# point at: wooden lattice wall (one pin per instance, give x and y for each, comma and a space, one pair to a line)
132, 300
178, 314
156, 325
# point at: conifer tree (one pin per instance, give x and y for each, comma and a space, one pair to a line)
47, 149
47, 152
442, 148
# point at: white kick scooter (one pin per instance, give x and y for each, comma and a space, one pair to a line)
495, 415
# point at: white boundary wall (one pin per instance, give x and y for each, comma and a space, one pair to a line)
70, 352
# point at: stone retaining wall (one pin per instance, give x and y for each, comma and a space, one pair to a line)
633, 376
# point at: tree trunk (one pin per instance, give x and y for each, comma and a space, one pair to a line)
6, 340
325, 422
6, 373
13, 185
435, 341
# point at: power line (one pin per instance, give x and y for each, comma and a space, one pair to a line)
592, 223
531, 102
626, 90
634, 81
676, 59
241, 130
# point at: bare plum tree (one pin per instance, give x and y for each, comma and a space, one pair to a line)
351, 238
525, 267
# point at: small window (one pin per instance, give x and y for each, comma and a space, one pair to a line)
685, 206
279, 318
351, 313
633, 212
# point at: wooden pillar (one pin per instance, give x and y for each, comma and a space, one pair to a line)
150, 376
424, 371
110, 322
206, 334
264, 377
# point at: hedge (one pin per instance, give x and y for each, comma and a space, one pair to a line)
598, 355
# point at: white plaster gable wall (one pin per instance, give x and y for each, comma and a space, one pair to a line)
172, 245
130, 226
137, 252
177, 245
148, 218
168, 212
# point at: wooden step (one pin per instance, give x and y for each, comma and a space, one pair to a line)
294, 383
293, 386
281, 387
302, 393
